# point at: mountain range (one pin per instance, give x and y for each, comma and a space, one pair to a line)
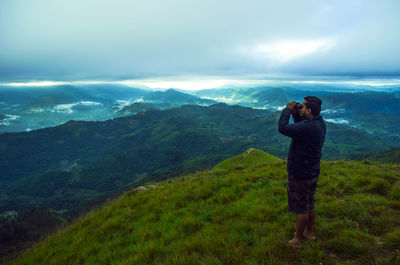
30, 108
376, 112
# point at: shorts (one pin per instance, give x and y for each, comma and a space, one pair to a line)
301, 194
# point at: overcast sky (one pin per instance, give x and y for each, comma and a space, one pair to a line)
121, 39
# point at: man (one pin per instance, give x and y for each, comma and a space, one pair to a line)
303, 162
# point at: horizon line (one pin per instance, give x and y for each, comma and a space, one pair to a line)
198, 83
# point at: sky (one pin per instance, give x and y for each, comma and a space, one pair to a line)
253, 39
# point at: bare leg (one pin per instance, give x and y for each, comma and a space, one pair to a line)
301, 222
310, 222
309, 231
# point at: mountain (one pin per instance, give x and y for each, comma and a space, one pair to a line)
164, 100
375, 112
30, 108
267, 97
138, 107
68, 167
23, 95
176, 98
236, 213
114, 92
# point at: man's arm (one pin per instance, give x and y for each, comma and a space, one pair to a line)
296, 130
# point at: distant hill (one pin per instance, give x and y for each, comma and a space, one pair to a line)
138, 107
237, 214
161, 100
389, 156
30, 108
175, 97
375, 112
63, 93
39, 107
114, 91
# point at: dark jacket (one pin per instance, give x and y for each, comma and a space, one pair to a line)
308, 137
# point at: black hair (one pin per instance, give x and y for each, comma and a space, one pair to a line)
314, 104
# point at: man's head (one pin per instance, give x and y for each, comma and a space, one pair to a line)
311, 107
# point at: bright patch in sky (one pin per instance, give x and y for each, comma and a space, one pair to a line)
52, 83
36, 83
188, 85
285, 51
204, 82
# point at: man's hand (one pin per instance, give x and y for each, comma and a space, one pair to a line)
291, 105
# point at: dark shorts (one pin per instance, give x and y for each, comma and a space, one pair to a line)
301, 194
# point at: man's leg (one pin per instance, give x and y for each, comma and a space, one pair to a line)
309, 226
301, 222
310, 222
311, 214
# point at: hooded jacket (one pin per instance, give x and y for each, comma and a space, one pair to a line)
308, 137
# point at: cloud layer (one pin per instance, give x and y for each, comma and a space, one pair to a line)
67, 40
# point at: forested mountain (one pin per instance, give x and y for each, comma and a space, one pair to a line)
164, 100
30, 108
376, 112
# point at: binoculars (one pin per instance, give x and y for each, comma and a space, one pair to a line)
296, 110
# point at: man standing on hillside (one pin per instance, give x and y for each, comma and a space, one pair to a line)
303, 162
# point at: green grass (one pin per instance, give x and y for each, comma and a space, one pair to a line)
237, 213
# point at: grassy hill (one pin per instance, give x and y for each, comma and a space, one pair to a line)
390, 156
236, 213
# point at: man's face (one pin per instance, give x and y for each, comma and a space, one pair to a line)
305, 112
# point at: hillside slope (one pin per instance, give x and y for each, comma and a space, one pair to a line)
238, 215
390, 156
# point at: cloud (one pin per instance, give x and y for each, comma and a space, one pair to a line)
68, 108
338, 121
87, 39
286, 51
8, 119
